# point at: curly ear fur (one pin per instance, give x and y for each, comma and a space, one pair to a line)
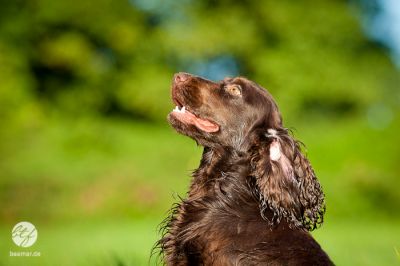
285, 182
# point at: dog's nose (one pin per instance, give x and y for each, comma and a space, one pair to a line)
181, 77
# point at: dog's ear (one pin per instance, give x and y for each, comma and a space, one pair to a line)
285, 182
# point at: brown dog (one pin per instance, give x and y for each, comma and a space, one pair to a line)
254, 197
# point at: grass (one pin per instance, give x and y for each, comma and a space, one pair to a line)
129, 242
361, 242
112, 242
96, 190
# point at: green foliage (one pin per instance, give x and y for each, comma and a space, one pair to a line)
110, 57
84, 93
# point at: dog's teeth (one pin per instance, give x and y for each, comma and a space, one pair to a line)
182, 110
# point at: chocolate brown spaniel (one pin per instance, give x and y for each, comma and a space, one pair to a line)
255, 196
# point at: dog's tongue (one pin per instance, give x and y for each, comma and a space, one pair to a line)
189, 118
205, 125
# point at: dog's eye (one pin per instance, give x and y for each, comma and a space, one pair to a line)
234, 89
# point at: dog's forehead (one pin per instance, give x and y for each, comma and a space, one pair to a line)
235, 80
245, 83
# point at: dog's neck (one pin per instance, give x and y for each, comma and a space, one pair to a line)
224, 177
218, 165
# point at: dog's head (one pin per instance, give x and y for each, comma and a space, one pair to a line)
221, 113
238, 114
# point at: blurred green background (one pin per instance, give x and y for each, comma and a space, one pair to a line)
87, 156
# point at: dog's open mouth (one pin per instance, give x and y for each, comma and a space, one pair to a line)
186, 117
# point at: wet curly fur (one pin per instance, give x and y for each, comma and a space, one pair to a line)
244, 207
